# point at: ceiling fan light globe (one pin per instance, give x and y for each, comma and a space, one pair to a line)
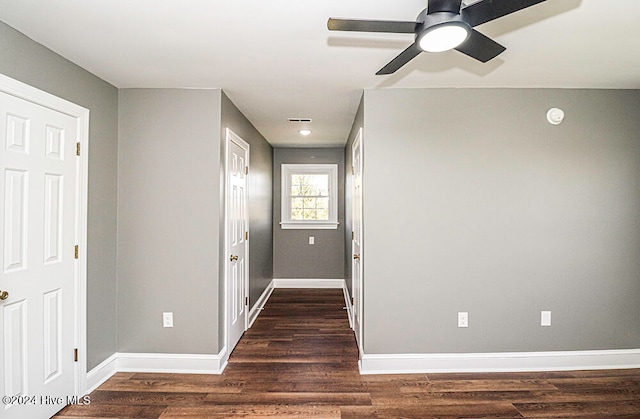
444, 37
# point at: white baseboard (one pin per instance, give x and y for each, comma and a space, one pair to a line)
347, 303
101, 373
161, 363
308, 283
172, 363
259, 305
499, 362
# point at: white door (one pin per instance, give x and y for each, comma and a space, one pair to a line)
237, 234
38, 212
356, 244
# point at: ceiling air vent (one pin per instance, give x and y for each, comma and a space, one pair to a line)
299, 119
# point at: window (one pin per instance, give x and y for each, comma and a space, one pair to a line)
309, 196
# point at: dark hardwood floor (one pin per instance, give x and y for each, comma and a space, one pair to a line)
300, 359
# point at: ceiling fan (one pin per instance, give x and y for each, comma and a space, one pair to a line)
443, 25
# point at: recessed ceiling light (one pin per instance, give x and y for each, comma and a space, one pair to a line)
305, 132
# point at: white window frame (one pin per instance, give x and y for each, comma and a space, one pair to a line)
312, 169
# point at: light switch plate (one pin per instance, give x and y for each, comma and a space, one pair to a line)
312, 240
463, 319
545, 318
167, 319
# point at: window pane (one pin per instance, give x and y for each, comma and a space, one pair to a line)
322, 215
310, 214
296, 215
297, 203
324, 190
306, 190
310, 185
322, 203
320, 184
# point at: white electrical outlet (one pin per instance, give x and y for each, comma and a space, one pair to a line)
167, 319
312, 240
463, 319
545, 318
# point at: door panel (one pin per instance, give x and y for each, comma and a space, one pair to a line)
15, 220
52, 316
53, 212
15, 348
38, 229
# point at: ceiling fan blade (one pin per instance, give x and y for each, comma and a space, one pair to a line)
480, 47
488, 10
360, 25
405, 56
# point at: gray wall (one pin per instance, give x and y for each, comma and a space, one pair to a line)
293, 256
168, 220
27, 61
473, 202
358, 123
260, 198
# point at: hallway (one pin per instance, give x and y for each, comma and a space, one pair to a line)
300, 359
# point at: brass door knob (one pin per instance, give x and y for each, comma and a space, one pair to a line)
233, 257
356, 256
4, 295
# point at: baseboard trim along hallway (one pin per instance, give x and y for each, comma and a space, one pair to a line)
499, 362
301, 360
307, 283
373, 363
259, 305
156, 363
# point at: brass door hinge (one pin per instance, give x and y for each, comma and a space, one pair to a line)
246, 301
76, 251
246, 235
353, 235
352, 300
77, 149
246, 170
75, 355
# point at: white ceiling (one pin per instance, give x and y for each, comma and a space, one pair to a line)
276, 59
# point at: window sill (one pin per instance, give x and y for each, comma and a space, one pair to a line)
308, 225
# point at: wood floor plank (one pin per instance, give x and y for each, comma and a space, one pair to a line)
254, 411
574, 384
144, 398
594, 395
485, 410
290, 398
475, 385
326, 386
499, 375
172, 386
455, 398
578, 410
300, 359
109, 411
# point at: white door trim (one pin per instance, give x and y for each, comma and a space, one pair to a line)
37, 96
232, 136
